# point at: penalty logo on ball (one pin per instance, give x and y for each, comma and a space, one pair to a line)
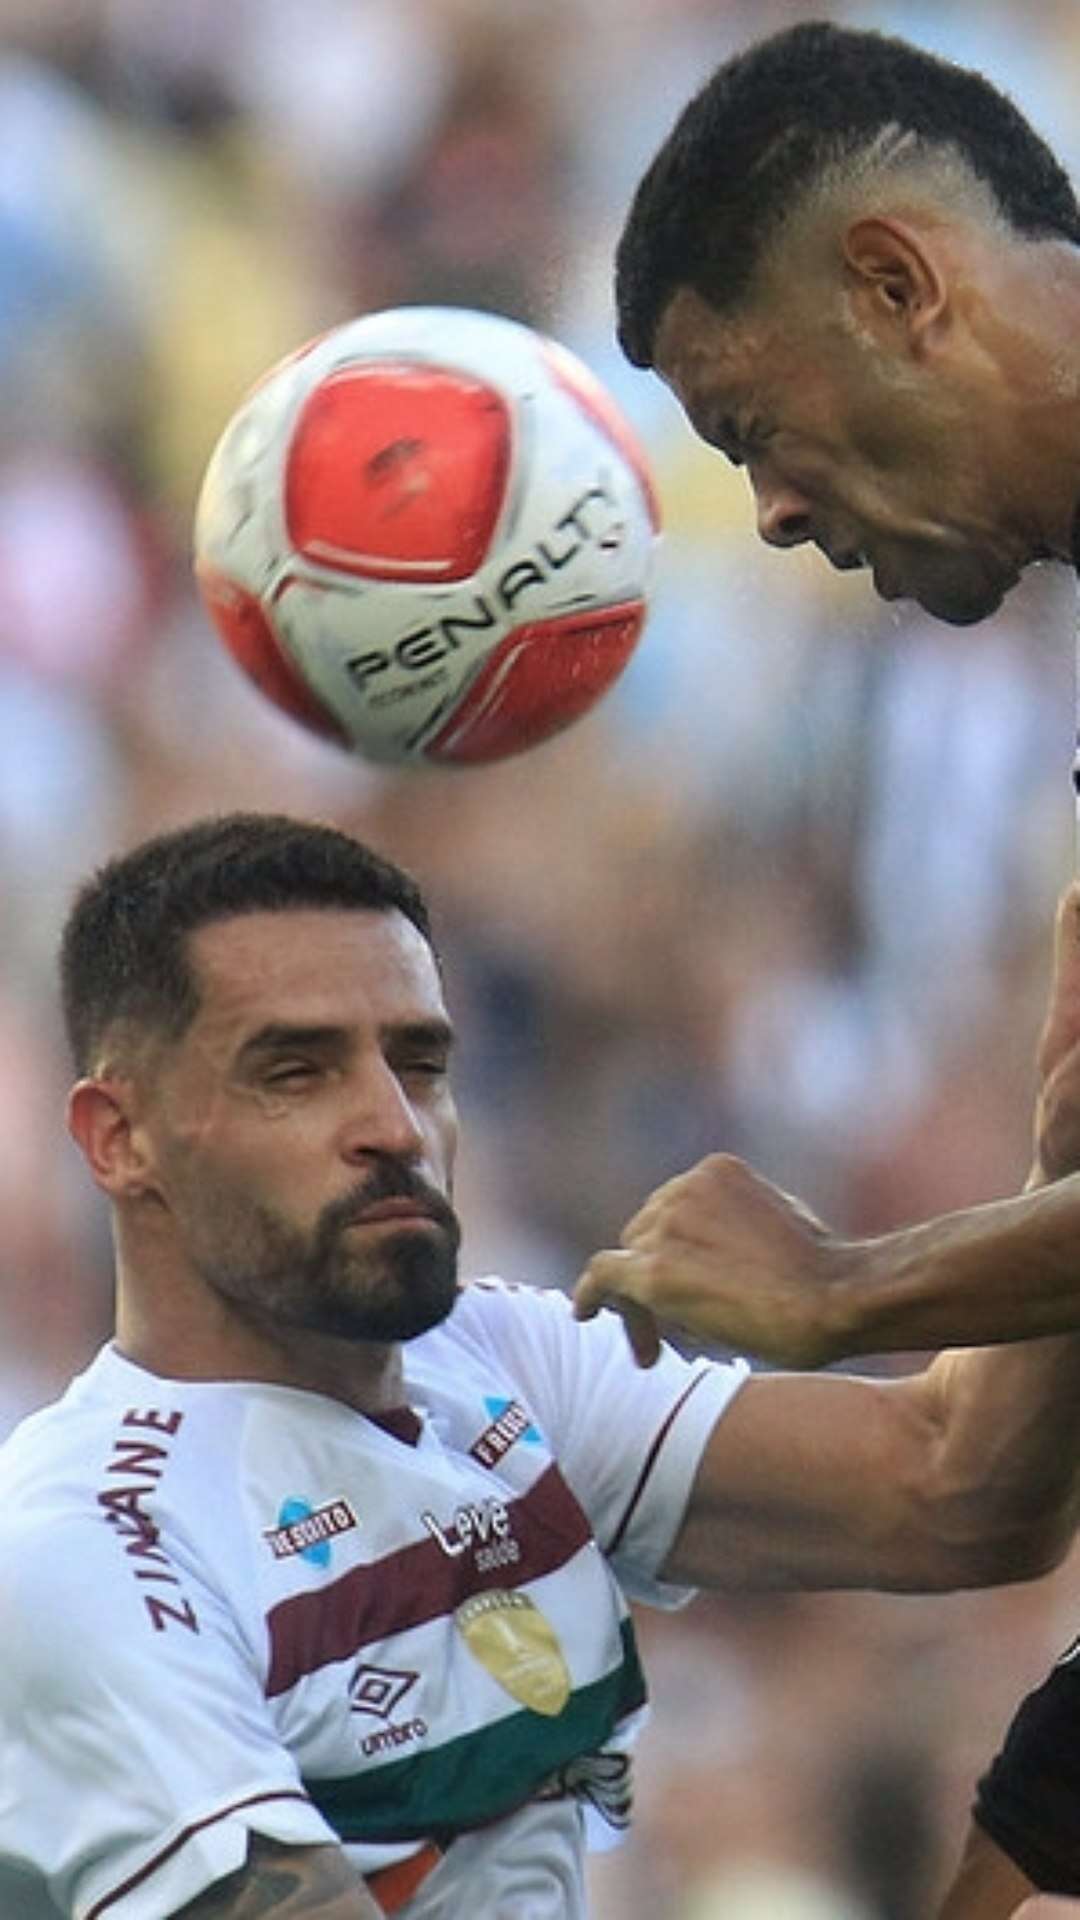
429, 536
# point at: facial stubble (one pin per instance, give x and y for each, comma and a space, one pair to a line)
345, 1279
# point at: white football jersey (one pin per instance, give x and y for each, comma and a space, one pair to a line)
235, 1608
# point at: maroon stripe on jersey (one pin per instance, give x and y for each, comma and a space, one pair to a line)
422, 1581
650, 1461
181, 1840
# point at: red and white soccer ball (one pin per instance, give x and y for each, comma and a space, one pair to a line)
429, 535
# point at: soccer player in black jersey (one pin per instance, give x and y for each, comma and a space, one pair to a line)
857, 266
858, 269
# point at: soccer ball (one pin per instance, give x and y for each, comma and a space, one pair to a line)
429, 535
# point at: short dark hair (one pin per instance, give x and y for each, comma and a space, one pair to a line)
123, 952
767, 127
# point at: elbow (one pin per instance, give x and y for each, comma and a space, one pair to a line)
1013, 1557
1043, 1541
1009, 1542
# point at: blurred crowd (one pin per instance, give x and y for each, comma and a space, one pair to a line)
788, 892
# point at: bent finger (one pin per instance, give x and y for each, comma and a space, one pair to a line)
641, 1330
608, 1276
604, 1284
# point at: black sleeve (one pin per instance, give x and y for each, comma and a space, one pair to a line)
1029, 1800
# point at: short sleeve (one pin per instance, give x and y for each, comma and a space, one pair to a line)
628, 1440
138, 1754
1027, 1800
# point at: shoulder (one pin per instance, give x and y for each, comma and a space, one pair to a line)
107, 1449
511, 1323
108, 1538
487, 1294
62, 1599
488, 1307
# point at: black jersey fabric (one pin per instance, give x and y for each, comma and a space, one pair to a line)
1029, 1800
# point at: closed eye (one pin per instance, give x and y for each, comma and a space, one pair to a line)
292, 1073
755, 440
420, 1050
740, 441
421, 1069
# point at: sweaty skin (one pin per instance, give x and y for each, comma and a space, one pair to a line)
902, 389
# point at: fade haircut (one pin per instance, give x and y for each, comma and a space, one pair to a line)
774, 123
124, 961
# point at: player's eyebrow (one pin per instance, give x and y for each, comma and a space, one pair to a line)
278, 1036
436, 1036
282, 1036
279, 1033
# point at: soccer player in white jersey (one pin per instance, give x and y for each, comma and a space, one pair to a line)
314, 1594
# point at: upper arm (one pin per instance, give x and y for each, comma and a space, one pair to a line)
155, 1725
964, 1474
316, 1883
818, 1480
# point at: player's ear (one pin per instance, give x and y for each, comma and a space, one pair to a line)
897, 283
101, 1122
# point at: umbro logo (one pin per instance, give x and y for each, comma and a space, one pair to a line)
378, 1690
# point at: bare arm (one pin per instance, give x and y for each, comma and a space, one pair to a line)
961, 1475
1006, 1271
989, 1886
286, 1883
725, 1256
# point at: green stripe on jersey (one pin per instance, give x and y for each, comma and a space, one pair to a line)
483, 1774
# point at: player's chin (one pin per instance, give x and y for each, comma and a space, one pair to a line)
962, 603
414, 1285
968, 615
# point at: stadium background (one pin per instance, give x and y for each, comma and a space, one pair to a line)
788, 892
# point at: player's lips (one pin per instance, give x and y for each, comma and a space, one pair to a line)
858, 559
398, 1208
847, 559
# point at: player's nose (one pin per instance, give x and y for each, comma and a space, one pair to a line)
783, 513
381, 1118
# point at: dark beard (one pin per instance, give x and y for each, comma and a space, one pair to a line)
390, 1291
410, 1286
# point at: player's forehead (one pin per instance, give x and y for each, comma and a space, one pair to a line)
345, 965
715, 360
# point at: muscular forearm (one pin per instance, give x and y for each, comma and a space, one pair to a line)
1006, 1271
732, 1261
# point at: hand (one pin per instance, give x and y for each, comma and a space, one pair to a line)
1057, 1111
726, 1257
734, 1262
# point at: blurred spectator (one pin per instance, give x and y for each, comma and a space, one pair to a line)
786, 893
